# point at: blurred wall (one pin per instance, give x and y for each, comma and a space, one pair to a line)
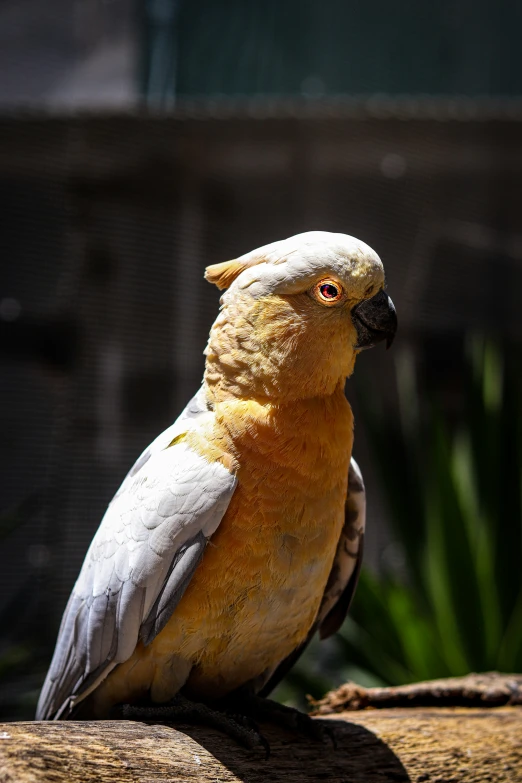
102, 53
328, 47
68, 53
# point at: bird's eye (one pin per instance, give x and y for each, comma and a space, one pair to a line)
328, 291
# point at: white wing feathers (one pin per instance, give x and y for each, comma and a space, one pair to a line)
140, 562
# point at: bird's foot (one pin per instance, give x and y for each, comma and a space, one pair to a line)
259, 708
237, 726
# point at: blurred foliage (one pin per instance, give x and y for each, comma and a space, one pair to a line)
452, 600
454, 491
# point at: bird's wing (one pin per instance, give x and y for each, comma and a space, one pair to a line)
342, 581
138, 566
344, 575
193, 415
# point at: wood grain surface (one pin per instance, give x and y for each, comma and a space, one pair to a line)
437, 745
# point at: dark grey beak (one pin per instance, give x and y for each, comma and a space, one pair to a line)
375, 320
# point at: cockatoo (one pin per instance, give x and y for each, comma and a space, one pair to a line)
239, 531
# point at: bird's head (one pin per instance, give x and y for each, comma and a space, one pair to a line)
295, 315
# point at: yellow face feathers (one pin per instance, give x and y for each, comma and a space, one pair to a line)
285, 330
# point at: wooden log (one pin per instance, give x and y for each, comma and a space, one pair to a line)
436, 745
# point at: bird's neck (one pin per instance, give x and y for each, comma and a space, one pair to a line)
313, 436
269, 354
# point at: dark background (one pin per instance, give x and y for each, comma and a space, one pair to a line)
141, 142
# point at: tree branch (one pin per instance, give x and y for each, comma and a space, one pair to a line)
373, 746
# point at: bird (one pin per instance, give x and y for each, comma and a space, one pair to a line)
238, 533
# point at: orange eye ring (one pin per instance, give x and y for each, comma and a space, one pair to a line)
328, 292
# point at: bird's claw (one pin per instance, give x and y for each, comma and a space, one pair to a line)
241, 728
260, 708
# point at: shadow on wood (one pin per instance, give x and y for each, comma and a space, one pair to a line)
359, 756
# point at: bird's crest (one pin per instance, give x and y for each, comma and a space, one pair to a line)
224, 274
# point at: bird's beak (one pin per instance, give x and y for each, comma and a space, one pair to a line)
375, 320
